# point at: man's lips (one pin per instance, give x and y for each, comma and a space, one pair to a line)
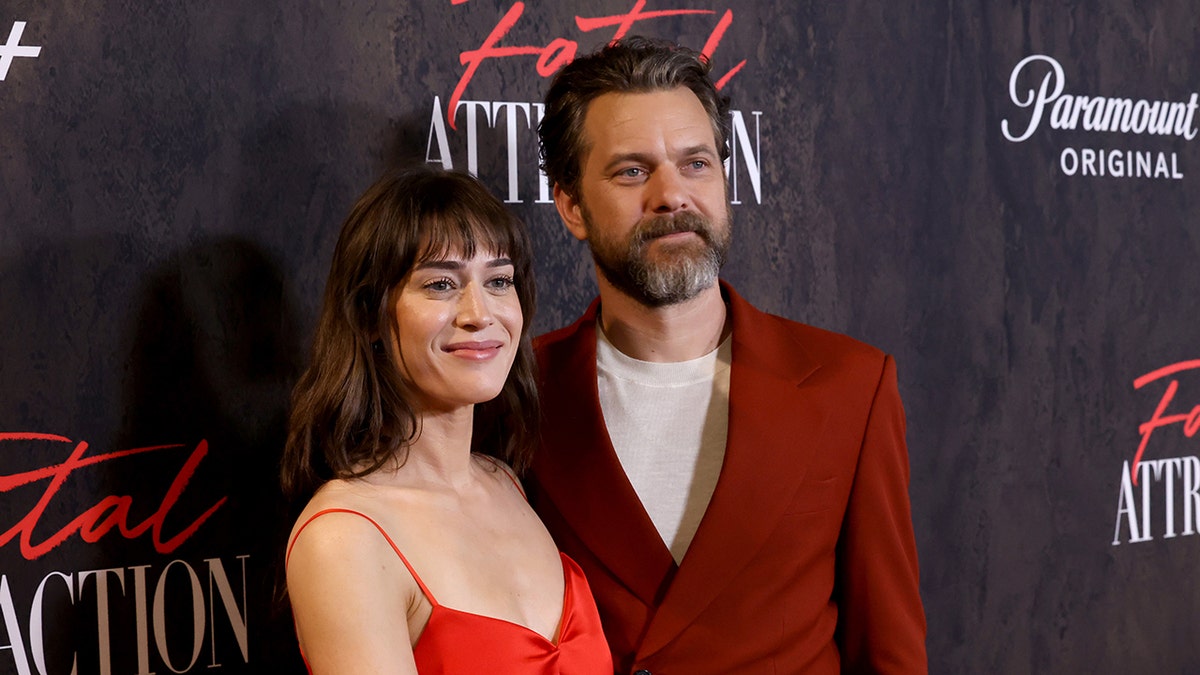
475, 350
669, 236
673, 239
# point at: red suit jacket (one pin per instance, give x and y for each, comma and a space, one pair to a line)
805, 560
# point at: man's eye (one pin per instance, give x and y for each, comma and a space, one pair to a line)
631, 172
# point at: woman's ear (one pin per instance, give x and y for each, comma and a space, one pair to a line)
375, 338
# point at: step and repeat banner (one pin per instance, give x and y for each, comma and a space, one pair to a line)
1005, 198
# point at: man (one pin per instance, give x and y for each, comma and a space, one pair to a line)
734, 484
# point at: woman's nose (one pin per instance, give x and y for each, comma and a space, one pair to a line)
474, 308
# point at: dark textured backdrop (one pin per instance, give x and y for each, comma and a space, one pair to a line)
173, 175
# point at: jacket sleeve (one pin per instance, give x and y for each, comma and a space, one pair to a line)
881, 622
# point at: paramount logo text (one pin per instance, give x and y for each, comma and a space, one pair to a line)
1100, 114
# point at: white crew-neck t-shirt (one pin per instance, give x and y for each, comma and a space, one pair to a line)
668, 424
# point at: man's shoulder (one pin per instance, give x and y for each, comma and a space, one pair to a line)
825, 340
785, 336
569, 337
557, 338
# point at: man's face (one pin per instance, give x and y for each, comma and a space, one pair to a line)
652, 200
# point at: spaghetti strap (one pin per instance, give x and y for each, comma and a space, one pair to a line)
395, 548
507, 472
498, 645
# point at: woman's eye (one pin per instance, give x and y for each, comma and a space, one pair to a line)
439, 285
501, 283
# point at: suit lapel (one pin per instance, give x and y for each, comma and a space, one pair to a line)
767, 373
581, 475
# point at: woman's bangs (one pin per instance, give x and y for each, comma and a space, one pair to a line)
459, 234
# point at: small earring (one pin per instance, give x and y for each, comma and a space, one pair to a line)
377, 346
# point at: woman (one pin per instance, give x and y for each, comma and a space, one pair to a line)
417, 552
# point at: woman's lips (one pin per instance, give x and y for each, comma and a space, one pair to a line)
480, 350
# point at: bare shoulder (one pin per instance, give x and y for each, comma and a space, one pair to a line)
351, 595
341, 546
332, 533
343, 527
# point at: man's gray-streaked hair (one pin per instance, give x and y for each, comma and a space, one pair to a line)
631, 65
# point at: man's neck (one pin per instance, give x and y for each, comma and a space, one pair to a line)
679, 332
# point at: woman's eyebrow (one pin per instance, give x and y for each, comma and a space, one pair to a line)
458, 264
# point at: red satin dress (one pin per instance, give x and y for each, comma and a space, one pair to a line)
457, 642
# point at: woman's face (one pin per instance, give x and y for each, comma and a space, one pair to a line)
458, 324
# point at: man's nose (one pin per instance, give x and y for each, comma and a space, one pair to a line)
668, 192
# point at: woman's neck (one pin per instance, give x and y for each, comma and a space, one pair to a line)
441, 449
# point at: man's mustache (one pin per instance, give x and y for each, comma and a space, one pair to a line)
661, 226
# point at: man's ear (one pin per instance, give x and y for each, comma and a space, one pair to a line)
571, 212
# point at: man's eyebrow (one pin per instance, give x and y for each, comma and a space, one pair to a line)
699, 150
643, 158
636, 157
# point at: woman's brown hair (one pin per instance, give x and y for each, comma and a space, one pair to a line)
352, 411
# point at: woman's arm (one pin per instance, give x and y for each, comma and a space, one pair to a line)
351, 598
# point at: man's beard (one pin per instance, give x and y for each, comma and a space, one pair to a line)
678, 271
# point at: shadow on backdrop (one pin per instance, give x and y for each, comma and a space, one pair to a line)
213, 360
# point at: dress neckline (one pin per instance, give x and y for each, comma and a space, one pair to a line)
563, 560
562, 617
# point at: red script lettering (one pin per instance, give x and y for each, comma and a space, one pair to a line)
110, 512
561, 51
1190, 420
